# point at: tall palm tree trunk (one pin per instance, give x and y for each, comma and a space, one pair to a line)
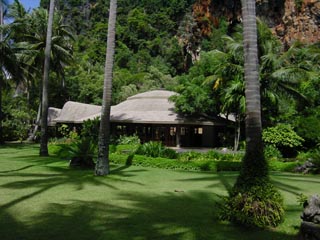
45, 103
1, 114
1, 77
254, 164
102, 166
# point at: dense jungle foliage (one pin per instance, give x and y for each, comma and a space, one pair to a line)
160, 44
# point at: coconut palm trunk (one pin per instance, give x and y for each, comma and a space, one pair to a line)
254, 164
1, 115
45, 83
102, 165
1, 76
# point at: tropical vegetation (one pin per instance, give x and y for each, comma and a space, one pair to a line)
42, 198
238, 70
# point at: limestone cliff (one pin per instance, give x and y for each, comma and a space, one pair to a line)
290, 20
300, 21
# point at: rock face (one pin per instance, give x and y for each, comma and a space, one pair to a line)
310, 227
300, 22
290, 20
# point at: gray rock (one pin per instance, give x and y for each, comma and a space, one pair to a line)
310, 227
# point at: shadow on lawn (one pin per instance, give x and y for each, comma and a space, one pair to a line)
142, 216
58, 176
167, 216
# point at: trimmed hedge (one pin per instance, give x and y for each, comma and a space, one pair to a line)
140, 160
211, 161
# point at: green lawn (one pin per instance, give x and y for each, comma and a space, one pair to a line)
41, 198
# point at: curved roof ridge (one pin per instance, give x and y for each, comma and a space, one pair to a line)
154, 94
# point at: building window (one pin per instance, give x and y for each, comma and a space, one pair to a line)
172, 131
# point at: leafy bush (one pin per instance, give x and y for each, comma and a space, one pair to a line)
112, 148
90, 129
128, 140
156, 149
192, 155
80, 152
150, 149
259, 206
169, 153
17, 119
282, 135
284, 138
271, 151
228, 166
315, 159
68, 133
166, 163
308, 127
215, 155
275, 165
129, 159
126, 149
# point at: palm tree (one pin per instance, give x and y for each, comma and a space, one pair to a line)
253, 199
30, 35
254, 158
2, 2
254, 164
9, 65
45, 83
102, 166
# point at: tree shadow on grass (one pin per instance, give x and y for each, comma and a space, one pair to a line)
58, 176
18, 169
14, 146
165, 216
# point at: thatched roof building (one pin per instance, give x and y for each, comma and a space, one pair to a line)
150, 115
75, 112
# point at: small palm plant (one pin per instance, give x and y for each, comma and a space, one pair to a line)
82, 153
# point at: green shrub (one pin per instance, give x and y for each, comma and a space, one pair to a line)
150, 149
17, 118
315, 159
68, 133
169, 153
112, 148
228, 166
270, 151
127, 149
128, 140
212, 154
129, 159
282, 135
156, 149
82, 153
284, 138
188, 156
207, 165
90, 129
61, 150
145, 161
275, 165
308, 127
259, 206
118, 158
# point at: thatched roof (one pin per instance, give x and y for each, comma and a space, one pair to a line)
73, 112
151, 107
53, 113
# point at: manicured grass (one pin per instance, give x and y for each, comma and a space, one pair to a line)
41, 198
